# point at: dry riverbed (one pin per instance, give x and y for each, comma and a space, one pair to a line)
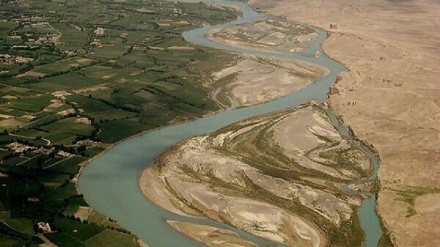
250, 80
390, 97
261, 176
244, 80
211, 236
266, 34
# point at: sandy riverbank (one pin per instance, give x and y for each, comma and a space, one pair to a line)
234, 176
266, 34
390, 97
253, 80
211, 236
247, 80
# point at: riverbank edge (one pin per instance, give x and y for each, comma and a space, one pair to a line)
167, 203
387, 237
189, 119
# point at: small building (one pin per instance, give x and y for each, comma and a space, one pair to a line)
44, 227
33, 199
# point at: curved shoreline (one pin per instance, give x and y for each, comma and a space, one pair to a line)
179, 192
271, 105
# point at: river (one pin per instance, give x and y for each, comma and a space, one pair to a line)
110, 183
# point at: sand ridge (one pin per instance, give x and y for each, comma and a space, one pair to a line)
256, 79
228, 177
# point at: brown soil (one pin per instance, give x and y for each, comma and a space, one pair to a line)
218, 176
211, 236
390, 96
253, 80
266, 35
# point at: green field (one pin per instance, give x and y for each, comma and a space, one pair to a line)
68, 166
77, 76
110, 238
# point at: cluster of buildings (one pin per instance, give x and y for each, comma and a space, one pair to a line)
16, 147
12, 59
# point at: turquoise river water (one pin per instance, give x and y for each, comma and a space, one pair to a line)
110, 183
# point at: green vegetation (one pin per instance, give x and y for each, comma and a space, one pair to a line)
75, 77
11, 237
345, 158
385, 241
110, 238
253, 142
115, 60
409, 196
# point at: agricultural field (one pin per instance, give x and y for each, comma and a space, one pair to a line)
76, 77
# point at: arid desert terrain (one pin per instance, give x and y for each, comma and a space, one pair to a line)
261, 176
390, 97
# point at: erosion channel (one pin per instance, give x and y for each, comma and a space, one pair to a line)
110, 183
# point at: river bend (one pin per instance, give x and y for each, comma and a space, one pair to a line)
110, 183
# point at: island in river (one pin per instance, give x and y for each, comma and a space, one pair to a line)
279, 176
74, 72
315, 206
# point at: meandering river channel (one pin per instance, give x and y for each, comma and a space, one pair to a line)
110, 183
